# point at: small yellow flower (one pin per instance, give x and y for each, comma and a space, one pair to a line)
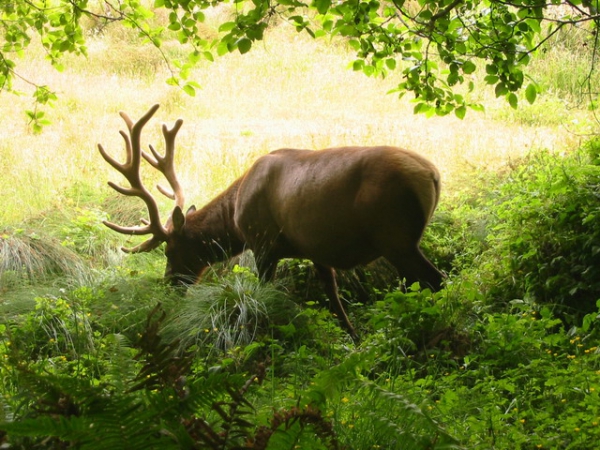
522, 420
345, 400
577, 430
564, 400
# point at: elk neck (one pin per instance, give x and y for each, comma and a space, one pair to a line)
212, 227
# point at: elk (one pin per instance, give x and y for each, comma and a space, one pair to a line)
338, 207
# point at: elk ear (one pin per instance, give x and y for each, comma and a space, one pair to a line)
191, 209
178, 219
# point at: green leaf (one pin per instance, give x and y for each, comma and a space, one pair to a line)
227, 26
469, 67
189, 90
513, 100
355, 44
460, 112
531, 93
323, 6
244, 45
209, 56
222, 48
500, 89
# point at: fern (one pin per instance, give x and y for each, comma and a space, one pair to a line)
287, 427
163, 364
159, 407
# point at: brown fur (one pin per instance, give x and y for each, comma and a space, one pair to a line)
338, 207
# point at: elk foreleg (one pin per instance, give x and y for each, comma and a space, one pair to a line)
266, 267
327, 277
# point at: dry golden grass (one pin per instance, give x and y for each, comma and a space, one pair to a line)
289, 91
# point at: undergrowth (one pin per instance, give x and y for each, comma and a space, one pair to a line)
505, 357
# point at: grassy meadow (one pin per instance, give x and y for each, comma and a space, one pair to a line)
505, 357
291, 92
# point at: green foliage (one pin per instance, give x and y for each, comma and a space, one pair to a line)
28, 257
543, 241
437, 46
505, 357
229, 312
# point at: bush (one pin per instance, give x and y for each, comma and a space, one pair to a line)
543, 233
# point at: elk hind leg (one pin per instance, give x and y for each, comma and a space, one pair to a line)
414, 266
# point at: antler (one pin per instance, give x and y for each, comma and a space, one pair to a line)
131, 171
165, 165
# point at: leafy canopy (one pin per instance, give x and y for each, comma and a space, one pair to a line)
434, 46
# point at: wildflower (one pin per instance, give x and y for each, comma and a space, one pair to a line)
577, 430
522, 420
345, 400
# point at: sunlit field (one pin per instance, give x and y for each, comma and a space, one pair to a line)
289, 91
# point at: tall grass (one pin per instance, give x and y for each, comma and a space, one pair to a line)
290, 91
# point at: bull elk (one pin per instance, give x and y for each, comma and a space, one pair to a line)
339, 208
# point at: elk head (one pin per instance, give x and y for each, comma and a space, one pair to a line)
181, 266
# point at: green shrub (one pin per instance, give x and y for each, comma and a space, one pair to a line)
544, 233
